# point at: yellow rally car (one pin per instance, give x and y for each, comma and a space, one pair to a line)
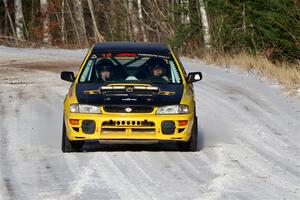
131, 92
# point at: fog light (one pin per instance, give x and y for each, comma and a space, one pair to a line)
74, 121
168, 127
183, 122
88, 126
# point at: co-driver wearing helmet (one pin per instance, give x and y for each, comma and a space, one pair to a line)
105, 73
159, 71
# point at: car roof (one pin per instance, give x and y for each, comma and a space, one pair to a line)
158, 48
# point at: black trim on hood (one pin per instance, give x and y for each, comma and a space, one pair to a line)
166, 94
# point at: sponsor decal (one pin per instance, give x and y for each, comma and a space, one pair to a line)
167, 93
153, 55
92, 92
129, 99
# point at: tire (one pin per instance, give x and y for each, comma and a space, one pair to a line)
67, 145
192, 144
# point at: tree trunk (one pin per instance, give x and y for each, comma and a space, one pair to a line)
73, 22
46, 21
79, 19
63, 38
205, 25
133, 20
111, 19
172, 10
5, 25
141, 21
185, 17
187, 9
19, 19
128, 23
10, 20
98, 36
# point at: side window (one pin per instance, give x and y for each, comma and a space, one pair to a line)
175, 76
181, 65
87, 72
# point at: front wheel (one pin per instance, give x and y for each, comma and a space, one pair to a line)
69, 146
192, 144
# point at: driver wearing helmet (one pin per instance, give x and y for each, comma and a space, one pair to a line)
106, 73
104, 70
158, 71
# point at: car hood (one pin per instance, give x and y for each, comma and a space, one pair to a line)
119, 94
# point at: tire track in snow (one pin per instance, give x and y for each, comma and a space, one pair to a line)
259, 115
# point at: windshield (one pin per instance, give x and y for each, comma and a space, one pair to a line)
110, 67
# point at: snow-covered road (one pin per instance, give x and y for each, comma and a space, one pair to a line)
251, 133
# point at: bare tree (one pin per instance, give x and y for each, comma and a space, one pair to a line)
112, 19
141, 20
46, 21
63, 37
205, 25
79, 19
133, 20
9, 18
244, 18
73, 22
19, 20
98, 35
128, 23
172, 10
185, 17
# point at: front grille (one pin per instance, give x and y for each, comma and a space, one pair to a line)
128, 126
128, 123
128, 109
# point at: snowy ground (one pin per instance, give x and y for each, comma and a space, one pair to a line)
251, 131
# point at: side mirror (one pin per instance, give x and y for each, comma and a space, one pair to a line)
194, 77
67, 76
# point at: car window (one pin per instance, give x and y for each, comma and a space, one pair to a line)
86, 73
109, 67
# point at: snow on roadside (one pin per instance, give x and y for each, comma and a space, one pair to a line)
79, 53
247, 75
26, 55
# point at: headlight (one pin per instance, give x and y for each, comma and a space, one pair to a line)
174, 109
83, 108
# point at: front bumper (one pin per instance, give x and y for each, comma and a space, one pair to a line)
129, 126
